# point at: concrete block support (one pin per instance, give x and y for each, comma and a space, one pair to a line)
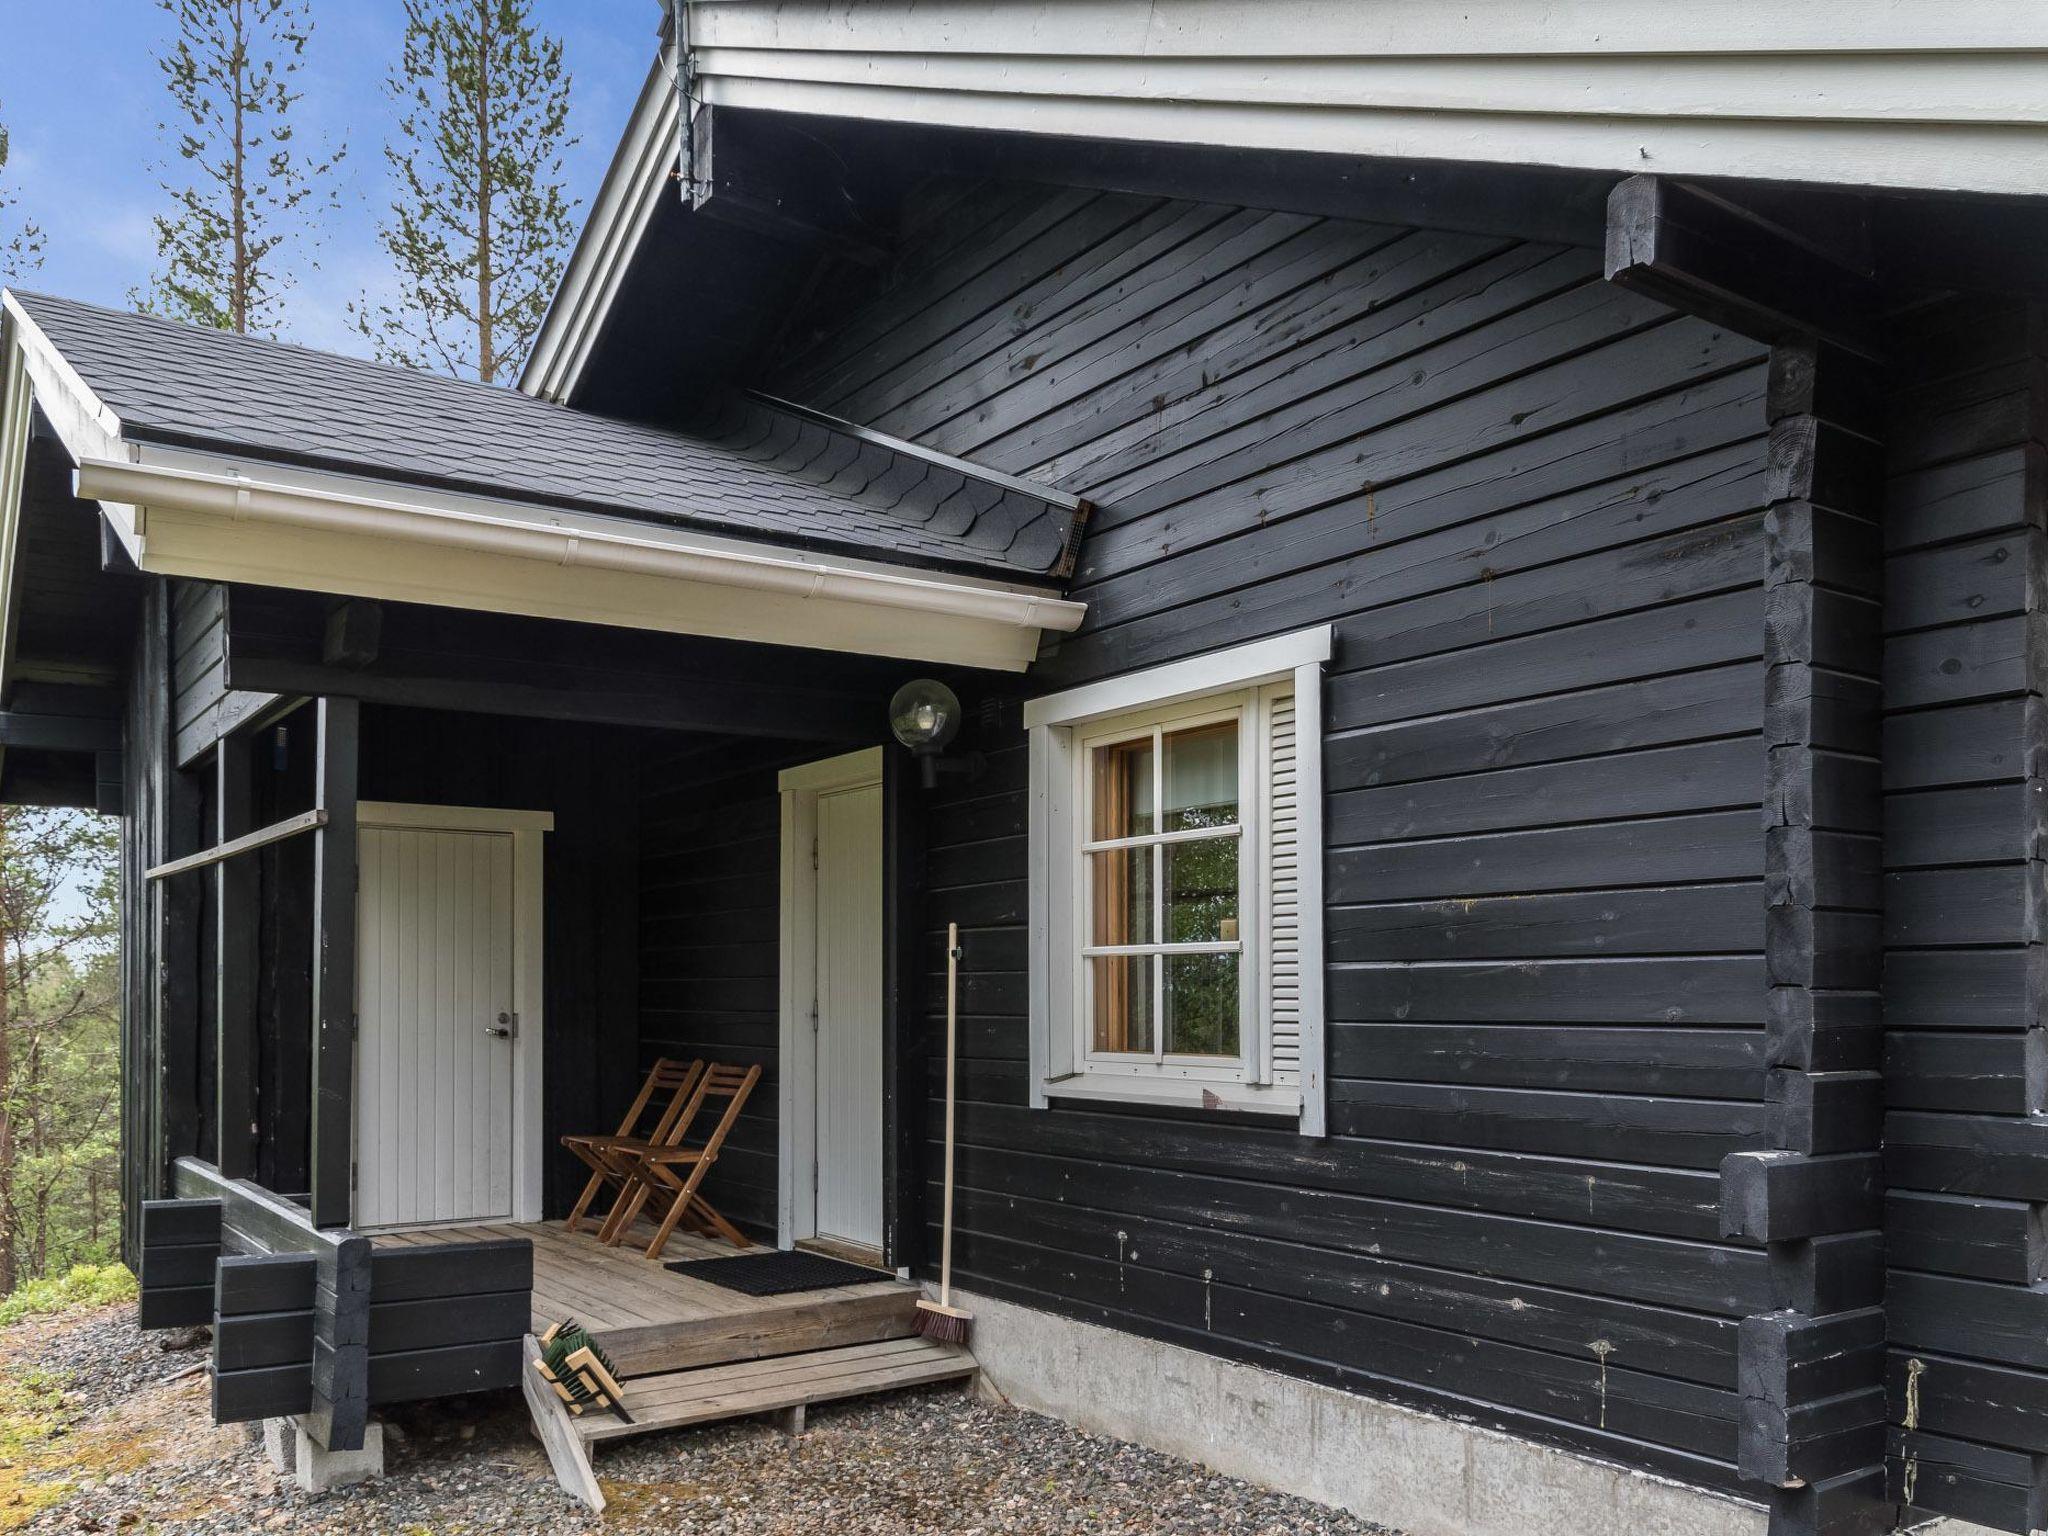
317, 1470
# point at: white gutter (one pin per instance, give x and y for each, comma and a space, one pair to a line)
240, 499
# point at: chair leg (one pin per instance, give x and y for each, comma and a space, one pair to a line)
686, 1192
634, 1188
598, 1179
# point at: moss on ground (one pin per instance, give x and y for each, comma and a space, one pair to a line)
85, 1285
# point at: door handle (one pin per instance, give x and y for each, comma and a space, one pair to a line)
502, 1030
496, 1033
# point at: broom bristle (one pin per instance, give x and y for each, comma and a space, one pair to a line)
943, 1325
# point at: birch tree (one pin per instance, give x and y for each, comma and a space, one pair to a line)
480, 219
249, 192
21, 245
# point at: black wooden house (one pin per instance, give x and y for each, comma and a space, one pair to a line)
1497, 826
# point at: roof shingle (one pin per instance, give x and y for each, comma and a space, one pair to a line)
753, 472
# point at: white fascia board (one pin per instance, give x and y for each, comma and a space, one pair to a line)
1283, 30
640, 173
1952, 157
17, 419
1241, 665
263, 524
1939, 90
84, 424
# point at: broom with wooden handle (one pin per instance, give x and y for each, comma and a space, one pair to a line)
941, 1320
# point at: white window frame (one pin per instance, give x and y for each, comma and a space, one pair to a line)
1062, 728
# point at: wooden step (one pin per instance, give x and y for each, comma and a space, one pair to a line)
715, 1392
830, 1320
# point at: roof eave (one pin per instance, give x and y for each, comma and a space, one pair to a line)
247, 522
641, 168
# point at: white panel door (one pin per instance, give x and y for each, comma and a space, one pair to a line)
434, 1070
849, 1063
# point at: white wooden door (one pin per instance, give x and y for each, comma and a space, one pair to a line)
434, 1052
848, 1081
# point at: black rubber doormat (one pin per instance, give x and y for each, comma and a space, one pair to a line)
777, 1274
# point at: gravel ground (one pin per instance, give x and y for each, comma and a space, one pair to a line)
129, 1449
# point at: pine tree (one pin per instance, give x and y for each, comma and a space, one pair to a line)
59, 1011
248, 185
481, 220
21, 249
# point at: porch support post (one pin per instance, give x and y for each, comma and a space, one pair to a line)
334, 961
236, 883
177, 916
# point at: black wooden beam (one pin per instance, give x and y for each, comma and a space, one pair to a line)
59, 733
337, 730
178, 922
772, 174
598, 697
237, 887
1702, 253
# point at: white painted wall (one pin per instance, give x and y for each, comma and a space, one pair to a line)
1898, 93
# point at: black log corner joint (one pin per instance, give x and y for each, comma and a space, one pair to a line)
1811, 1374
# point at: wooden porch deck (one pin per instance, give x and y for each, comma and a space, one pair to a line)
650, 1319
691, 1352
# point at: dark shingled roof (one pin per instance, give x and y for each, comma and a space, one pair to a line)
755, 472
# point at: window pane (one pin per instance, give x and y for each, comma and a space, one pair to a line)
1123, 789
1123, 896
1201, 891
1201, 1005
1123, 1003
1201, 777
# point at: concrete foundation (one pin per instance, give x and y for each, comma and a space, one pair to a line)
315, 1468
280, 1443
1421, 1474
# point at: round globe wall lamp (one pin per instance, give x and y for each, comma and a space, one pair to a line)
925, 717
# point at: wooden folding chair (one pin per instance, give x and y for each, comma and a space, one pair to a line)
677, 1171
669, 1090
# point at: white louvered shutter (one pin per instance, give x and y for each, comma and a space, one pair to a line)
1282, 971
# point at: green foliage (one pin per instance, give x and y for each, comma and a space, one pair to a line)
22, 249
480, 221
59, 1044
81, 1286
249, 191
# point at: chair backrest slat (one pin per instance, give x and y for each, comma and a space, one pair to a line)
676, 1079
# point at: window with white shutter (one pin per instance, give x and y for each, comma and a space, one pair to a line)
1176, 884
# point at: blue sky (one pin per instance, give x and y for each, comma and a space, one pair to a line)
82, 97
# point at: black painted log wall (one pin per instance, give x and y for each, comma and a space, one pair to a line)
1532, 506
710, 878
1966, 802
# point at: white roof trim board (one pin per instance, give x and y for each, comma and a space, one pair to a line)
1940, 97
641, 171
